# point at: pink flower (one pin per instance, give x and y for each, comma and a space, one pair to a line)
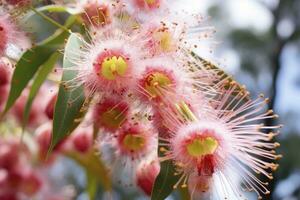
147, 4
108, 66
130, 144
18, 2
146, 175
96, 13
110, 113
160, 79
43, 136
5, 29
225, 141
11, 36
82, 139
36, 115
31, 184
136, 140
16, 172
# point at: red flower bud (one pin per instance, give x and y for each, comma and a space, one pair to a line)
18, 2
50, 107
82, 140
146, 176
30, 184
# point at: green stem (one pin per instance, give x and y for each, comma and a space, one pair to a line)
49, 19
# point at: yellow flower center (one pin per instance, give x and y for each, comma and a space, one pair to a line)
202, 146
113, 118
113, 66
150, 2
164, 39
155, 81
133, 142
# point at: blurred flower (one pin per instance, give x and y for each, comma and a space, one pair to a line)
146, 175
18, 2
11, 37
82, 139
36, 115
49, 111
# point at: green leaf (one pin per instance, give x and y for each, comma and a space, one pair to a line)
57, 8
41, 76
52, 9
95, 167
184, 193
92, 184
70, 100
165, 181
30, 62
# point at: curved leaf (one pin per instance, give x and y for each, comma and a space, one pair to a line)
41, 76
165, 181
52, 9
94, 167
184, 194
58, 8
30, 62
69, 100
91, 185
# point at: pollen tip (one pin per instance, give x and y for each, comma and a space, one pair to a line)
162, 149
267, 100
276, 144
271, 135
274, 167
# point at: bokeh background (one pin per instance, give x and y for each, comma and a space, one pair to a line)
258, 42
260, 46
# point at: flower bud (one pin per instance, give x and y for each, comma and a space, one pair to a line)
8, 154
146, 176
49, 111
8, 196
82, 140
30, 184
5, 72
18, 2
43, 138
36, 115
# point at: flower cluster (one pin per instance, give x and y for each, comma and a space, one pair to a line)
22, 176
17, 176
151, 89
153, 100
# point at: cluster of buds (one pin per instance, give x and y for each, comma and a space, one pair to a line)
151, 89
17, 176
23, 176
